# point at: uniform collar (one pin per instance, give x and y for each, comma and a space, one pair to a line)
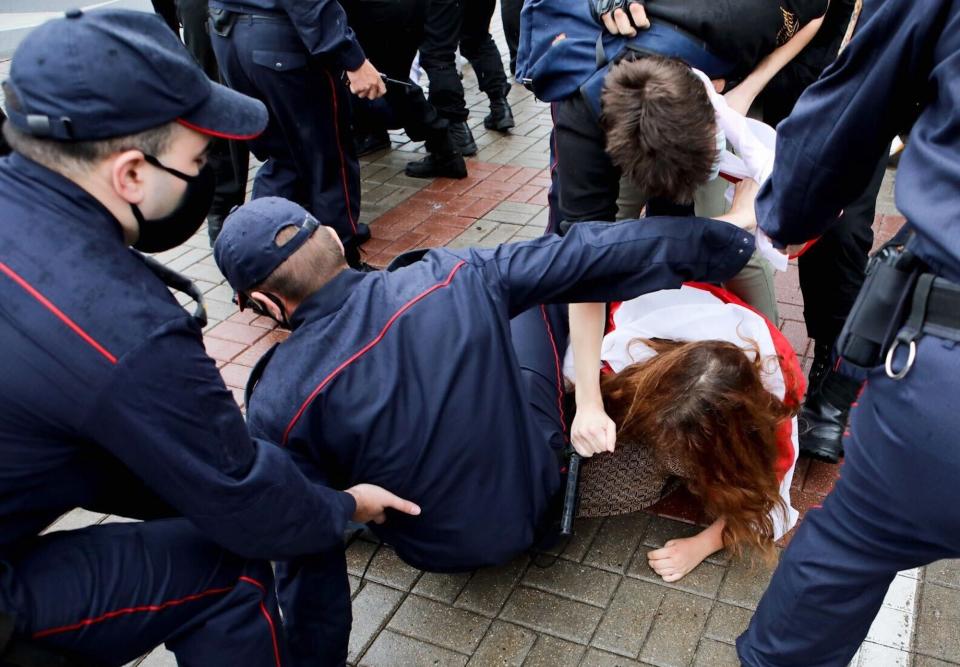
329, 298
67, 193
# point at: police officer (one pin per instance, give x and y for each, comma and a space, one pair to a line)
293, 55
895, 506
108, 400
419, 378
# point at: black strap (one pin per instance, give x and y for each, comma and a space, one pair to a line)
257, 373
913, 327
180, 283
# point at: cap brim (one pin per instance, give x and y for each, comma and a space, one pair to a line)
227, 114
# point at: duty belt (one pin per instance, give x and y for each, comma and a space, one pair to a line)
934, 310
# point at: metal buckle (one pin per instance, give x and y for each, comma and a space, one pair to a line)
911, 357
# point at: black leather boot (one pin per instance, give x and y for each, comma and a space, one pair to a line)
501, 116
462, 138
823, 418
443, 158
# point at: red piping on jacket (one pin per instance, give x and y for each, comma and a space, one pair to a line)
366, 348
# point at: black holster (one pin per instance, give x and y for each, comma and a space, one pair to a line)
222, 21
881, 307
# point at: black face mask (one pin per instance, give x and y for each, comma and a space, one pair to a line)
171, 230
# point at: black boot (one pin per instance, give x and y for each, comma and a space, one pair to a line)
443, 158
501, 116
823, 418
371, 143
462, 138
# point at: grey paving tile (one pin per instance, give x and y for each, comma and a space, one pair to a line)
597, 658
387, 568
391, 649
944, 572
703, 580
675, 635
544, 612
745, 583
937, 632
584, 530
504, 644
490, 587
509, 217
616, 541
217, 310
372, 608
456, 629
927, 661
441, 587
727, 622
662, 530
716, 654
354, 584
629, 617
553, 652
572, 580
359, 553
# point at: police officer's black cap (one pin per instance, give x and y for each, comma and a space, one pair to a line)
246, 249
108, 73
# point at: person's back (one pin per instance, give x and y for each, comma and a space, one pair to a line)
453, 430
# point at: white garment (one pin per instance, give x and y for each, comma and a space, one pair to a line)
692, 314
754, 150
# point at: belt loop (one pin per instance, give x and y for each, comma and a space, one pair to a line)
912, 328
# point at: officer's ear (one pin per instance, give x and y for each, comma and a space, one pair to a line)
336, 237
127, 175
267, 305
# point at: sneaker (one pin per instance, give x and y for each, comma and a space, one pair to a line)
449, 166
462, 138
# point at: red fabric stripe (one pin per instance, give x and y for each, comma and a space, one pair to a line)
46, 303
793, 378
343, 163
806, 246
214, 133
273, 633
366, 348
130, 610
556, 359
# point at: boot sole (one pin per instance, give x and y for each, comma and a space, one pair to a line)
438, 174
499, 127
822, 452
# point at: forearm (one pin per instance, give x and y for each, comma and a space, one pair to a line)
586, 338
741, 98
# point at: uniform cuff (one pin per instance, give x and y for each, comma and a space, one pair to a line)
348, 505
352, 56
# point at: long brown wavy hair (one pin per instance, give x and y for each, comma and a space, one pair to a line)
704, 405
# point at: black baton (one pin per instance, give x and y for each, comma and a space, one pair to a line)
570, 496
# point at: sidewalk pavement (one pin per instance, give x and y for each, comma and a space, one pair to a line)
599, 603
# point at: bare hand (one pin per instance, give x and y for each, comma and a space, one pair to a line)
592, 431
365, 82
618, 22
742, 213
374, 501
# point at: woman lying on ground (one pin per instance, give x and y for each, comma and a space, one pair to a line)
702, 389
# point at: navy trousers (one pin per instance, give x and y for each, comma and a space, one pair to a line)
893, 508
110, 593
307, 148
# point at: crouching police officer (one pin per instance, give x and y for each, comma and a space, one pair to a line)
107, 399
895, 506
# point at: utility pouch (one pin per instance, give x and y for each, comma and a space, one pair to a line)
222, 21
880, 308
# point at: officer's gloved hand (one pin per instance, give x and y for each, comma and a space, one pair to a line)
620, 17
374, 501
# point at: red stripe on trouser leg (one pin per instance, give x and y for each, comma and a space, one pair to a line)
556, 358
266, 615
343, 159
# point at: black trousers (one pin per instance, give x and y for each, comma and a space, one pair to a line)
463, 23
390, 31
230, 160
510, 16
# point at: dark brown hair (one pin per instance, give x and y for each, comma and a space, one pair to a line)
660, 126
703, 404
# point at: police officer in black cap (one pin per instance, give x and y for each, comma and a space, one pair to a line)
293, 55
108, 400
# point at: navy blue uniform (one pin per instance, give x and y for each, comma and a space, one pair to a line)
412, 379
895, 505
109, 402
291, 55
